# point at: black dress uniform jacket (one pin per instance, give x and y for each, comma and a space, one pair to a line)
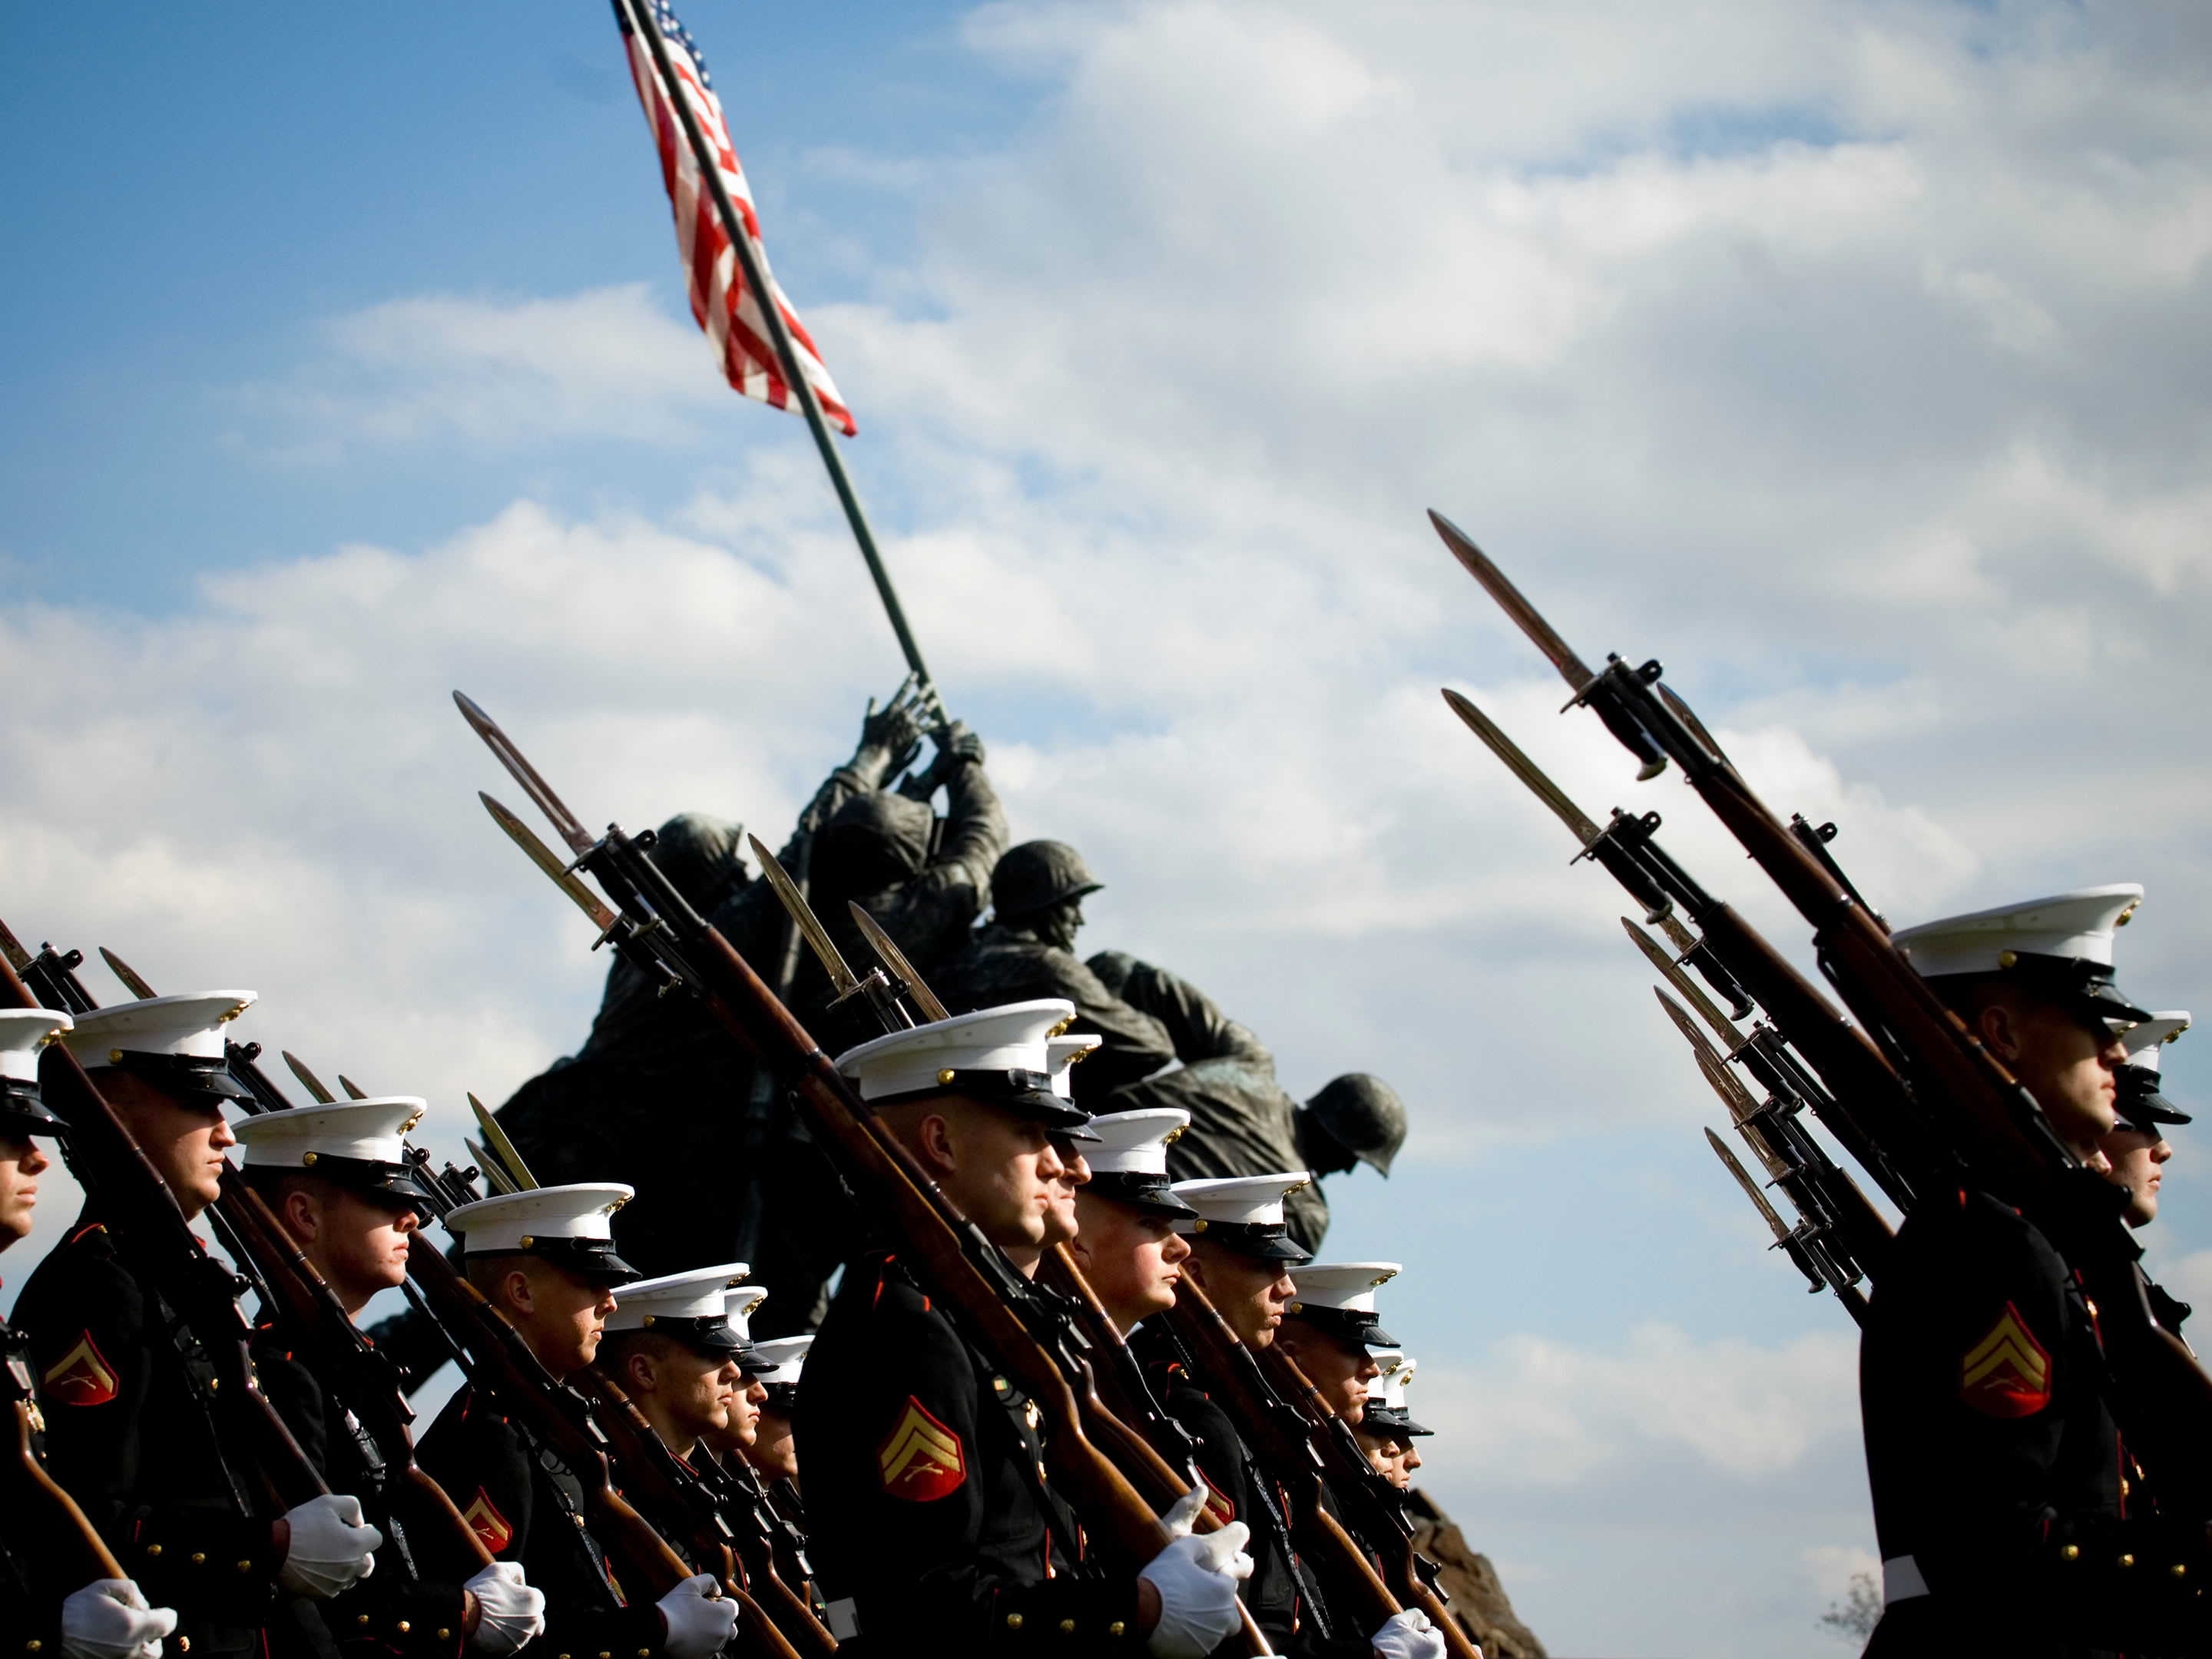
1995, 1461
935, 1530
1280, 1594
32, 1583
394, 1611
527, 1506
131, 1434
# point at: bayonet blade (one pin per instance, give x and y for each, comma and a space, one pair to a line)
551, 862
841, 978
12, 948
1707, 1009
354, 1090
1688, 1027
309, 1080
1782, 1233
1522, 768
891, 956
1742, 1108
496, 1139
1571, 668
488, 1167
563, 821
122, 971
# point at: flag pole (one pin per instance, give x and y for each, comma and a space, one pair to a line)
787, 352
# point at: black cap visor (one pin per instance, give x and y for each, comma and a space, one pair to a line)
707, 1334
1263, 1241
1358, 1330
1027, 1094
2085, 988
400, 1182
782, 1398
587, 1258
2139, 1105
23, 1113
1152, 1194
202, 1082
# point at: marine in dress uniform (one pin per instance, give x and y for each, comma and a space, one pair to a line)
772, 1451
936, 1528
1387, 1430
1331, 1324
525, 1503
337, 1179
45, 1605
131, 1412
1994, 1462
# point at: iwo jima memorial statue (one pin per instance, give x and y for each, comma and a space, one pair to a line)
1082, 1385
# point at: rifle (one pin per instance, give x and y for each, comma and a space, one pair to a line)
141, 1216
770, 1542
1930, 1079
680, 1498
967, 1273
28, 1489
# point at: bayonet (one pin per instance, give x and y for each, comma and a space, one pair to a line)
354, 1090
1741, 1109
122, 971
893, 958
563, 821
488, 1168
309, 1080
1782, 1236
495, 1138
12, 948
1671, 970
841, 978
1571, 668
1585, 829
547, 859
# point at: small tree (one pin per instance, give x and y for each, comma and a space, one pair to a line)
1855, 1616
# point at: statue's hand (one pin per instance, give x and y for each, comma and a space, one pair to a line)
957, 747
890, 736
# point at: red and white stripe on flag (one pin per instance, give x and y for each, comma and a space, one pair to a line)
724, 303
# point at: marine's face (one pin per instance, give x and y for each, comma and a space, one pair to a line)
358, 1242
561, 1314
2138, 1158
1132, 1258
699, 1387
1000, 1169
1248, 1294
21, 1163
2068, 1066
1339, 1369
746, 1394
774, 1452
1062, 1220
183, 1137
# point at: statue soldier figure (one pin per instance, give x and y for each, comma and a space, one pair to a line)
1241, 1121
1026, 953
662, 1098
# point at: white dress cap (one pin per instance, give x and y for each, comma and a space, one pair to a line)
1339, 1297
1135, 1143
571, 1224
357, 1143
739, 1303
23, 1033
1387, 1360
1244, 1213
1062, 1054
188, 1027
1002, 1055
2143, 1041
787, 1355
696, 1293
2061, 945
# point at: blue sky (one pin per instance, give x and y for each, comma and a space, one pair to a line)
1850, 358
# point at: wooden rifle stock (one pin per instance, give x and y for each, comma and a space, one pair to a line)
502, 1366
149, 1229
344, 1361
644, 1463
38, 1489
771, 1560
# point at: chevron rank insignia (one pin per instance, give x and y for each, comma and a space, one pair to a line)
2007, 1372
487, 1522
1217, 1502
920, 1460
81, 1377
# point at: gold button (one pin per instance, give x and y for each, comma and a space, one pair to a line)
2093, 1307
245, 1566
2070, 1552
1116, 1627
115, 1056
307, 1157
2179, 1570
198, 1560
152, 1549
1198, 1226
34, 1645
2124, 1485
2127, 1560
362, 1619
945, 1077
214, 1382
1013, 1621
1067, 1628
526, 1241
184, 1644
444, 1634
404, 1627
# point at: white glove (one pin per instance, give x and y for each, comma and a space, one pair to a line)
333, 1546
1196, 1577
697, 1626
108, 1618
508, 1611
1408, 1635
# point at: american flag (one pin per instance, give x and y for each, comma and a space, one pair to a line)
722, 300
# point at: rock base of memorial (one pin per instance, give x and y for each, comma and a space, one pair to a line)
1479, 1600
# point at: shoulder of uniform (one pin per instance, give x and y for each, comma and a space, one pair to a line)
84, 1266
